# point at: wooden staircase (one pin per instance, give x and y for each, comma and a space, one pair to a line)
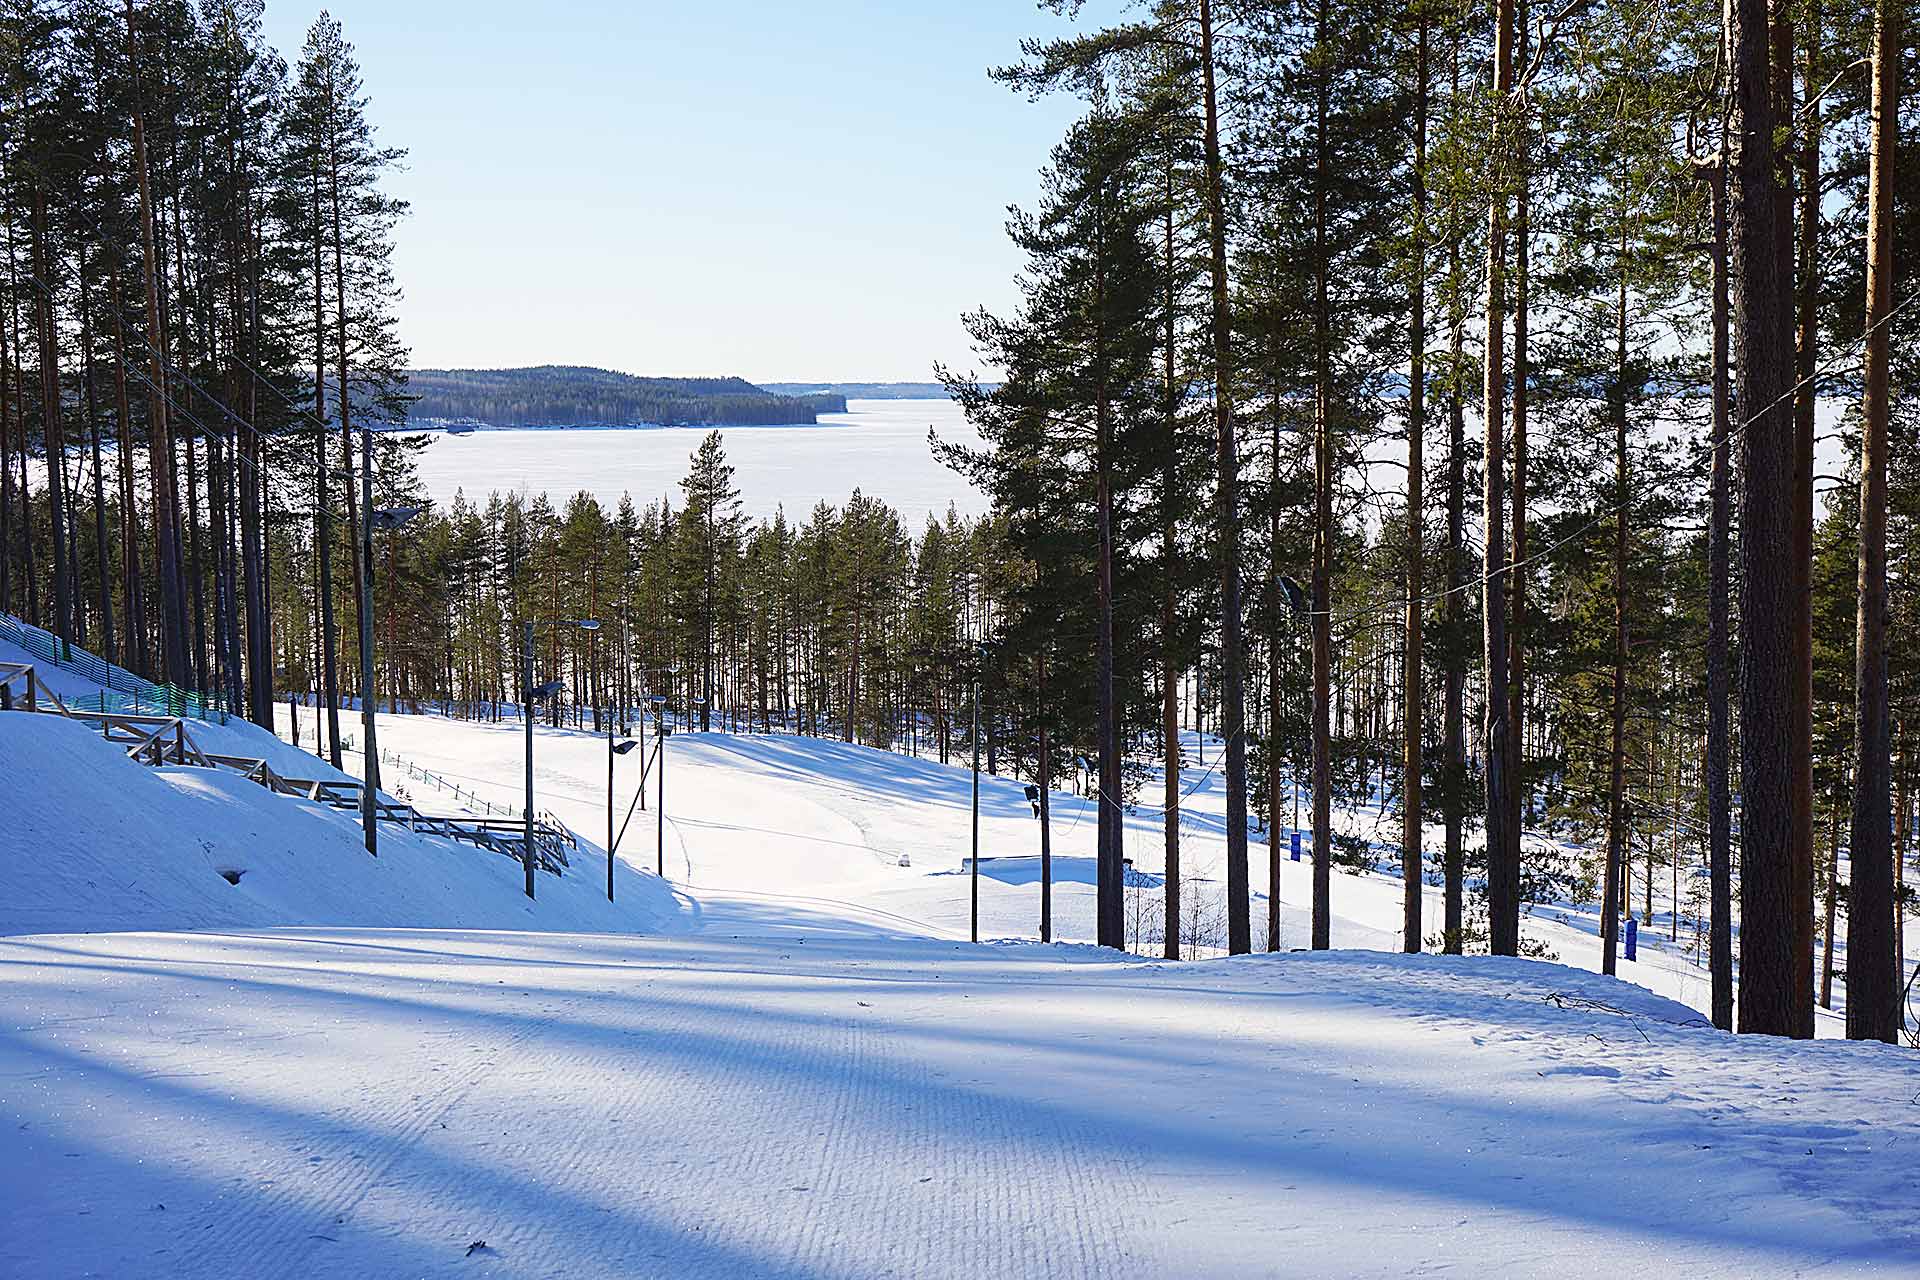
166, 740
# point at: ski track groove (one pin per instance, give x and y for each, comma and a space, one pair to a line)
632, 1138
310, 1200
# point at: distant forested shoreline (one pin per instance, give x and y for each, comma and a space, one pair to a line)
864, 390
573, 396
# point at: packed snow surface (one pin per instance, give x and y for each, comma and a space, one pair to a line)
787, 1062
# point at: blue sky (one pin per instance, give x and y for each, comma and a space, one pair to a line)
783, 191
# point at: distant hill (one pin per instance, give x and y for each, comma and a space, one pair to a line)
575, 396
861, 390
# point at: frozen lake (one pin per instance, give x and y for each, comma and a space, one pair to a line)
879, 446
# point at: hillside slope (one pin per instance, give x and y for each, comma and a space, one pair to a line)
797, 1070
102, 843
577, 396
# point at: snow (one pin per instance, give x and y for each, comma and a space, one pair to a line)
108, 844
878, 444
779, 1092
788, 1062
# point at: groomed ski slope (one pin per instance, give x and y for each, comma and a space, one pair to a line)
787, 1064
814, 817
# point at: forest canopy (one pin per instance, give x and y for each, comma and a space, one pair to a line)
577, 396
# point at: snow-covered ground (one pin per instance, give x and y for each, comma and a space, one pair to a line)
880, 444
787, 1062
774, 1091
819, 818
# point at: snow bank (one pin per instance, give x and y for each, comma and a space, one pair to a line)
101, 843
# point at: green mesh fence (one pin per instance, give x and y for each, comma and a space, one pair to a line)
121, 691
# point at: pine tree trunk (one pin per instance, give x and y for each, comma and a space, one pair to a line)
52, 430
1169, 655
253, 498
1800, 739
1516, 641
1111, 866
1770, 993
17, 385
1232, 694
1412, 698
1719, 798
133, 586
7, 577
1873, 956
1453, 712
323, 503
1832, 914
1611, 900
1323, 462
1503, 866
90, 398
1275, 631
173, 616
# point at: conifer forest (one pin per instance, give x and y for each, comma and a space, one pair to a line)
1496, 411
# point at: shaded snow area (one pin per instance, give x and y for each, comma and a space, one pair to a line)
784, 1093
782, 1060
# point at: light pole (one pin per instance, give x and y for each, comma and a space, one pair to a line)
660, 807
386, 520
526, 715
976, 808
613, 749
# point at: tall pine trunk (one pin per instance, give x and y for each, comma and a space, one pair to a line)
1323, 464
1873, 963
1770, 994
90, 398
1612, 900
1232, 691
1800, 738
1516, 617
1169, 643
1719, 798
323, 504
133, 586
173, 614
1410, 681
52, 432
1453, 712
1503, 864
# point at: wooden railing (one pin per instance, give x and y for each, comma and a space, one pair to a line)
166, 740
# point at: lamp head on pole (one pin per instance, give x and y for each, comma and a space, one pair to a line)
387, 519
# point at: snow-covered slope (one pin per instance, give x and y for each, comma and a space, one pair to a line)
784, 1092
788, 1065
98, 842
817, 818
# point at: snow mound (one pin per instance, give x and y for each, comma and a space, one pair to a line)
109, 844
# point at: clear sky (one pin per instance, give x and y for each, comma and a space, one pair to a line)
778, 190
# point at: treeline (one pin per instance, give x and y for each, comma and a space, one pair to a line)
1427, 393
197, 313
1463, 360
843, 622
863, 390
570, 396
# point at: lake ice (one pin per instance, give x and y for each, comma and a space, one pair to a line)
879, 446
